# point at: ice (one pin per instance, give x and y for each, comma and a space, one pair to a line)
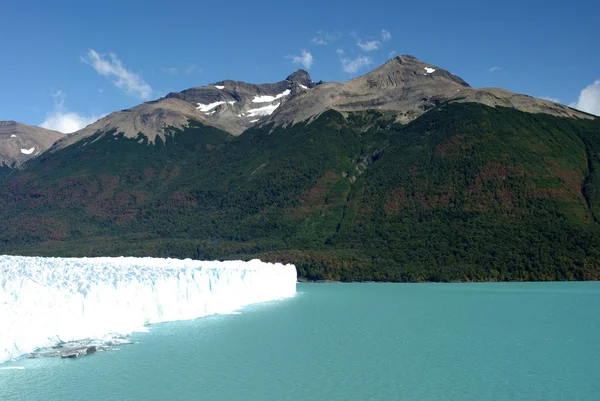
27, 151
262, 111
429, 70
207, 107
219, 87
269, 99
46, 301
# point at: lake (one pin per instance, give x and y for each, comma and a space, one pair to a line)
489, 341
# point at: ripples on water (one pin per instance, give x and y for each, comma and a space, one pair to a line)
533, 341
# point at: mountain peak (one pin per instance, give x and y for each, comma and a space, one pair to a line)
20, 142
406, 70
300, 77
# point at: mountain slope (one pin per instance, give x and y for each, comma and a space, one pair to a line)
21, 142
406, 87
232, 106
464, 192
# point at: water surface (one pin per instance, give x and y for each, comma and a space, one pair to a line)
500, 341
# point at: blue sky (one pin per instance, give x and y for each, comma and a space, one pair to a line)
63, 63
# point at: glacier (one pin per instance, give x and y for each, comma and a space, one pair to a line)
46, 301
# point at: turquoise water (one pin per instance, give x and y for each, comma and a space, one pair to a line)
530, 341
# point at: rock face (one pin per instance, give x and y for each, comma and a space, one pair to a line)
151, 118
21, 142
408, 87
232, 106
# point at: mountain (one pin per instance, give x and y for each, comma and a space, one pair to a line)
407, 87
385, 177
232, 106
21, 142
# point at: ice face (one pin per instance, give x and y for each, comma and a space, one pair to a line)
44, 301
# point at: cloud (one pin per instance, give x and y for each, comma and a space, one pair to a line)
305, 59
108, 65
551, 99
494, 69
170, 70
340, 52
369, 46
355, 65
63, 120
589, 99
392, 53
100, 90
385, 35
193, 68
324, 38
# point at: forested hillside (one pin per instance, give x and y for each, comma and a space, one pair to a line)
465, 192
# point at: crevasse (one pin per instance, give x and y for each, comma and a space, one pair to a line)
44, 301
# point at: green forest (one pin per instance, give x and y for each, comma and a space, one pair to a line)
465, 192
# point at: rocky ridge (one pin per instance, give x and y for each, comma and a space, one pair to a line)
232, 106
21, 142
404, 86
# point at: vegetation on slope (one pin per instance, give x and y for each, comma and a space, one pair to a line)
465, 192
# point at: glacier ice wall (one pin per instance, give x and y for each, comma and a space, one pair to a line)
44, 301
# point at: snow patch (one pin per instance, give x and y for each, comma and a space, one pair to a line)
429, 70
208, 107
210, 113
13, 136
262, 111
269, 99
303, 87
27, 151
219, 87
231, 102
50, 300
253, 121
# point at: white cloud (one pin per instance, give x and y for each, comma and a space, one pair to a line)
109, 65
305, 59
355, 65
340, 52
494, 69
551, 99
385, 35
193, 68
170, 70
63, 120
369, 46
324, 38
100, 90
589, 99
392, 53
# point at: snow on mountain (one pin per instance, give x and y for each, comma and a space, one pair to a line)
207, 107
262, 111
45, 301
269, 99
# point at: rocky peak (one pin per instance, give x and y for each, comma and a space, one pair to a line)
405, 70
21, 142
301, 77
